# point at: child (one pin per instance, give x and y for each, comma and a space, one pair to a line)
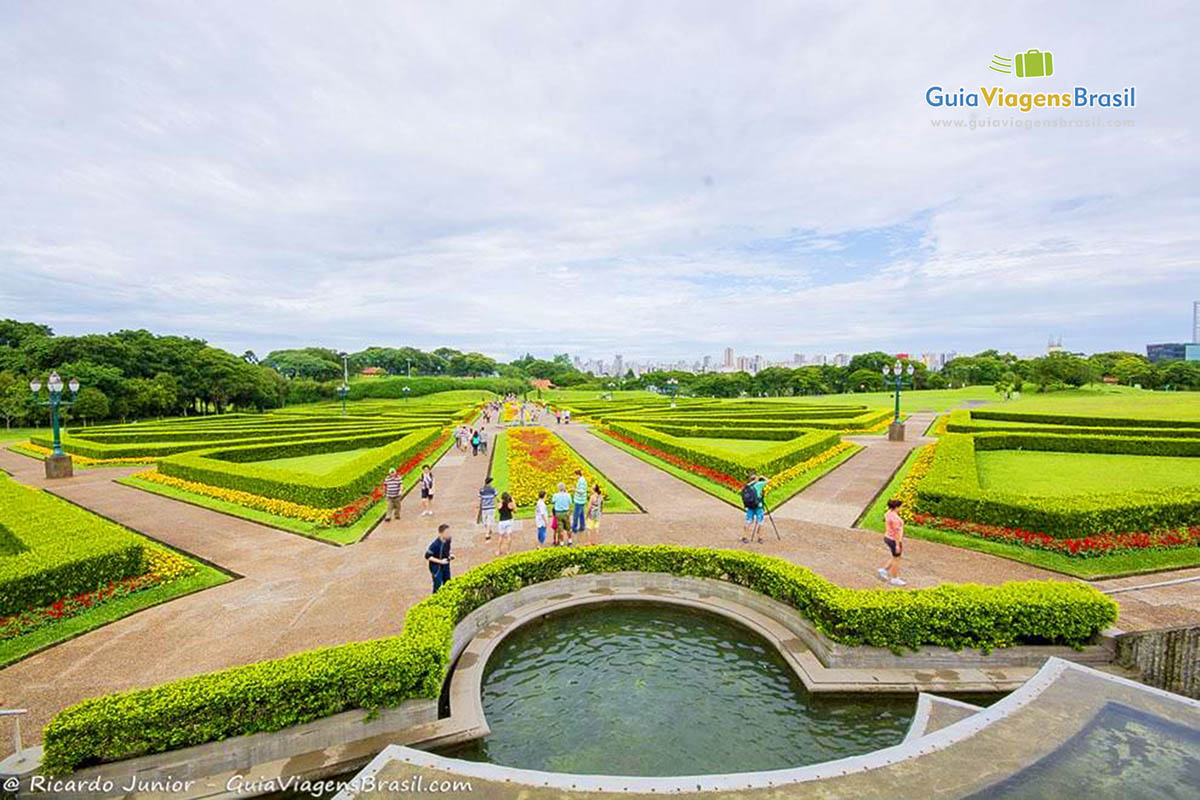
594, 511
541, 517
893, 537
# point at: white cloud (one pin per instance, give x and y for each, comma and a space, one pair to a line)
595, 178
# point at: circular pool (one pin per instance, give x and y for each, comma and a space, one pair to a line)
656, 690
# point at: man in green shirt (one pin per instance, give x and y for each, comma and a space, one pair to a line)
578, 519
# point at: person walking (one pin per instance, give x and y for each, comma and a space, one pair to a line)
437, 555
562, 515
541, 517
594, 511
475, 443
505, 528
393, 488
427, 491
752, 500
893, 537
487, 507
581, 497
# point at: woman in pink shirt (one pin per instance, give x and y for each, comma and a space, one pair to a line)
893, 537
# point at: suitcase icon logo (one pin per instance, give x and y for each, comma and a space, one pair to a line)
1030, 64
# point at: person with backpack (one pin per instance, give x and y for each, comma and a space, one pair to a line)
752, 501
475, 443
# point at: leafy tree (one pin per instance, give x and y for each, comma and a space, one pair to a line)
90, 405
867, 380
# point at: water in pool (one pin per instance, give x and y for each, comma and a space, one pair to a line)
655, 690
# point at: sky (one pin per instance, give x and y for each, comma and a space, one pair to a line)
656, 179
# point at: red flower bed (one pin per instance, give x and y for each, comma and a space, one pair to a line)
713, 475
348, 515
1095, 545
67, 607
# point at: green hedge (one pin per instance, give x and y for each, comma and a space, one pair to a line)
803, 446
952, 489
236, 467
272, 695
61, 550
392, 388
1083, 421
961, 421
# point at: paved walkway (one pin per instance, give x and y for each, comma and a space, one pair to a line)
842, 495
297, 593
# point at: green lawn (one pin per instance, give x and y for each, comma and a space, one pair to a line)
41, 638
11, 435
318, 464
746, 447
1049, 474
333, 535
1108, 401
1092, 568
616, 501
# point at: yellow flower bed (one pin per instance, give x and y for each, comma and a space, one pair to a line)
907, 492
84, 461
539, 461
281, 508
796, 470
167, 565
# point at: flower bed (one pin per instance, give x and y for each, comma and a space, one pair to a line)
539, 461
1099, 544
791, 473
271, 505
36, 450
163, 566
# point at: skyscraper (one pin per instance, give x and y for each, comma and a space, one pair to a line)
1196, 322
618, 366
728, 356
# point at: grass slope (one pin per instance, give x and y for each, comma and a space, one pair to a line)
1092, 568
1050, 474
317, 464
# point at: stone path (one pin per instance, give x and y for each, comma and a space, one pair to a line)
842, 495
296, 593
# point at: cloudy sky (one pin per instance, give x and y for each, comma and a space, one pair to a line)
649, 178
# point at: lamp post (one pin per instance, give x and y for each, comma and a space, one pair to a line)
58, 463
896, 429
673, 385
405, 389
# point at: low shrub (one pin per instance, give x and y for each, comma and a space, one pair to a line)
56, 549
272, 695
803, 446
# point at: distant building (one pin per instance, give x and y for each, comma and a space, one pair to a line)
820, 360
798, 359
1054, 345
373, 372
729, 356
1191, 352
618, 365
707, 364
1196, 322
1167, 351
841, 360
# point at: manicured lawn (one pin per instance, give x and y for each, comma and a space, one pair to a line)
616, 501
1108, 401
737, 446
333, 535
318, 464
19, 647
1061, 474
1092, 568
10, 435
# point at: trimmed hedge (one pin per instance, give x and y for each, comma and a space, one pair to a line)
235, 467
803, 445
1083, 421
952, 489
961, 421
61, 550
272, 695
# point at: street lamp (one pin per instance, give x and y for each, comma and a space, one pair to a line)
405, 390
58, 463
343, 392
896, 430
673, 385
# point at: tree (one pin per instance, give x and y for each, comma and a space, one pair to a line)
91, 404
867, 380
16, 403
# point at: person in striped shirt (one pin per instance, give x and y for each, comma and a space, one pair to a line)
393, 487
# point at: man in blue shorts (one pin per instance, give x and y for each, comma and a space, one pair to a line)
752, 500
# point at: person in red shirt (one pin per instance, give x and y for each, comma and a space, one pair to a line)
893, 537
